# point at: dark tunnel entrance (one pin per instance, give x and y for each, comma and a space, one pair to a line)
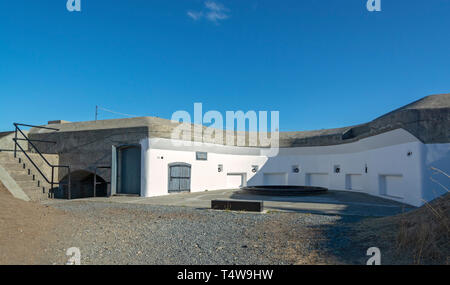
82, 186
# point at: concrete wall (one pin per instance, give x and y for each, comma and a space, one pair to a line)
204, 174
398, 150
86, 149
7, 143
397, 166
419, 118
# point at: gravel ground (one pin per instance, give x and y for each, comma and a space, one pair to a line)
123, 233
111, 233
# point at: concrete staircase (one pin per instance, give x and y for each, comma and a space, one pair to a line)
25, 175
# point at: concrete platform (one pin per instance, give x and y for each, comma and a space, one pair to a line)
330, 203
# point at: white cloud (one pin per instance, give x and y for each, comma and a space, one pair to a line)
194, 15
216, 16
214, 6
213, 11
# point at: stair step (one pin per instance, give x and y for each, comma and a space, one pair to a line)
18, 171
27, 184
4, 160
11, 164
26, 175
27, 171
14, 161
32, 190
22, 175
15, 169
40, 182
19, 174
8, 159
20, 167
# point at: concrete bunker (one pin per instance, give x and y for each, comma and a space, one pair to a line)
386, 157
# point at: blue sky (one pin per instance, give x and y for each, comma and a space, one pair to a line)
321, 63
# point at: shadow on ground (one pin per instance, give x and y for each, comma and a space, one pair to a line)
330, 202
339, 242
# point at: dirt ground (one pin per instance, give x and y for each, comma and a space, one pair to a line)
27, 229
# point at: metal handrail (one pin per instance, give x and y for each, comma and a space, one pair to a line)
33, 126
37, 141
30, 142
95, 178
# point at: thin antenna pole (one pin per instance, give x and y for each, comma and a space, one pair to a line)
114, 112
96, 112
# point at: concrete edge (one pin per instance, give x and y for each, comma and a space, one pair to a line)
12, 186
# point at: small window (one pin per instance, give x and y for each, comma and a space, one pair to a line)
295, 168
254, 168
201, 155
220, 168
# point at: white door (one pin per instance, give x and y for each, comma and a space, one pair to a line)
317, 179
276, 179
234, 181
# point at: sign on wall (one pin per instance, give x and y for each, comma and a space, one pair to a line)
201, 155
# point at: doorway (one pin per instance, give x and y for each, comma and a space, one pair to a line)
179, 177
129, 170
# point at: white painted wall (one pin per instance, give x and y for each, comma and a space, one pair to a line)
391, 172
204, 174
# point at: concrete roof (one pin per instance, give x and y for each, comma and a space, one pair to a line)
4, 134
428, 119
429, 102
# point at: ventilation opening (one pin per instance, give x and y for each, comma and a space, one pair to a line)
82, 186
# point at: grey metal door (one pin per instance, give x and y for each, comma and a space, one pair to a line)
179, 177
129, 174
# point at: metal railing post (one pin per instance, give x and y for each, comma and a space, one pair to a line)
95, 182
50, 192
15, 143
69, 190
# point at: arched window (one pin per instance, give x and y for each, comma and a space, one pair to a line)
179, 177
